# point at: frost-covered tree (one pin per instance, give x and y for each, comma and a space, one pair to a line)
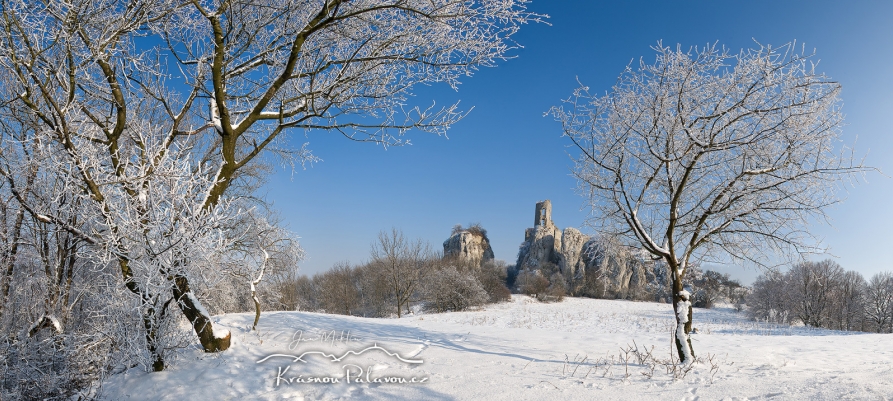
401, 264
813, 285
261, 248
131, 96
879, 302
338, 292
156, 237
705, 154
770, 300
848, 307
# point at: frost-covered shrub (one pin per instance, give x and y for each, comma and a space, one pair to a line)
493, 276
447, 289
51, 366
531, 282
557, 288
711, 287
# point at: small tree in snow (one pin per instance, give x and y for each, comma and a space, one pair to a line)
263, 249
401, 264
707, 154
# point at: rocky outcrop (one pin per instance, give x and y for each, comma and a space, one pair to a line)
621, 271
542, 245
571, 258
600, 264
469, 246
542, 242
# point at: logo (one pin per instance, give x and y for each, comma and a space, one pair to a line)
361, 365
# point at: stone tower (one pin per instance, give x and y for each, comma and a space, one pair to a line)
542, 242
543, 213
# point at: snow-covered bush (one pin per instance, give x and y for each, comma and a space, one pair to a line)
711, 287
493, 277
52, 366
447, 289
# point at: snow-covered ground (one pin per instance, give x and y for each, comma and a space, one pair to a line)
521, 350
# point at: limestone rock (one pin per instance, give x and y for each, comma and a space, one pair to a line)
468, 246
542, 246
542, 243
570, 259
620, 271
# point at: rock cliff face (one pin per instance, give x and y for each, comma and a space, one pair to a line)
620, 270
571, 259
468, 246
600, 263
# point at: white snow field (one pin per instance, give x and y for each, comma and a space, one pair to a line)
520, 350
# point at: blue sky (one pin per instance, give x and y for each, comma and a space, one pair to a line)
505, 155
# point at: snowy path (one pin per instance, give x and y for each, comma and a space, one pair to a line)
521, 350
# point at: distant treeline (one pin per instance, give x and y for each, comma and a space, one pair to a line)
823, 294
401, 275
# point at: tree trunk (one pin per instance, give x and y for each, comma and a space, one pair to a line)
256, 312
10, 258
254, 283
199, 317
149, 324
683, 311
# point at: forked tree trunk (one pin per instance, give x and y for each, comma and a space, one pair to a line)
199, 317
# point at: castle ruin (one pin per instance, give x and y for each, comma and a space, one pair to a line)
543, 213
